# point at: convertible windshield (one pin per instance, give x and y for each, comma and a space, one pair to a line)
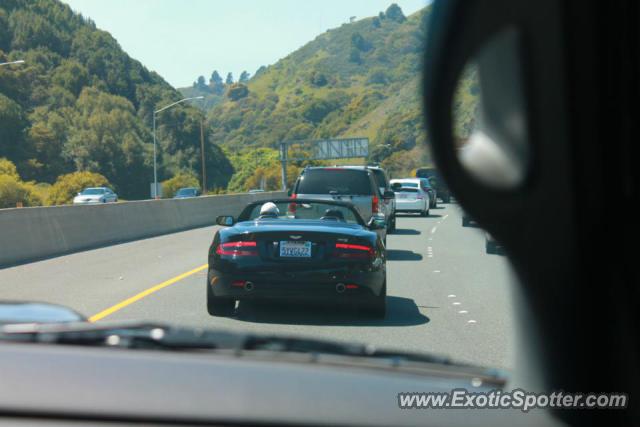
305, 211
93, 191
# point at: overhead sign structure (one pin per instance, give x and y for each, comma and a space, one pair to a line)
341, 148
323, 149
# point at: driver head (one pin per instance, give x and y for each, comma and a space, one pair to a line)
269, 209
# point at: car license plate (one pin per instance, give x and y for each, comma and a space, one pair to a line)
295, 249
403, 196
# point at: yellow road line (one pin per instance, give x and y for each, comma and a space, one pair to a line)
138, 297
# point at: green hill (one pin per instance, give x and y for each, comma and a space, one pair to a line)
361, 79
80, 103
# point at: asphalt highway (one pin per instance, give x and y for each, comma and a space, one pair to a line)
445, 294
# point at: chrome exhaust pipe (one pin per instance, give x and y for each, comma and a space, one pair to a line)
340, 288
248, 286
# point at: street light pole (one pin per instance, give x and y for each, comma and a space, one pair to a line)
155, 165
155, 161
19, 61
204, 168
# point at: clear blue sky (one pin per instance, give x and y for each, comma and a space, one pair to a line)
182, 39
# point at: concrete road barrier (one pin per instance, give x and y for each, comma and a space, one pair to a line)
30, 234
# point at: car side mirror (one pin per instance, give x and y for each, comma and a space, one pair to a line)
388, 194
289, 192
376, 222
225, 220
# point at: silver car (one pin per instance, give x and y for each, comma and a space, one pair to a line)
410, 196
93, 195
354, 184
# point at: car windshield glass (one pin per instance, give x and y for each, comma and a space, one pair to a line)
307, 211
93, 191
132, 143
335, 181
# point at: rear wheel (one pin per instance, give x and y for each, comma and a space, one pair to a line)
219, 306
425, 212
392, 224
378, 307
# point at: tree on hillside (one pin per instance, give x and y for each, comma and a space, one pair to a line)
107, 138
71, 75
237, 91
318, 79
200, 84
244, 77
216, 83
375, 23
12, 122
395, 13
358, 42
229, 79
5, 35
260, 71
354, 56
8, 168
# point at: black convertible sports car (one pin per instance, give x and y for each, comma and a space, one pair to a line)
298, 250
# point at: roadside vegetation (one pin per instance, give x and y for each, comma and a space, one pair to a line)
80, 103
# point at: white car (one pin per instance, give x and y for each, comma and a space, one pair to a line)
410, 197
95, 195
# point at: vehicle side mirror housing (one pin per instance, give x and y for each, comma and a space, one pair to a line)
225, 220
289, 192
376, 222
388, 194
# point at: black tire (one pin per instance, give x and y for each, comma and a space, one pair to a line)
378, 307
465, 222
435, 202
218, 306
426, 212
446, 199
392, 224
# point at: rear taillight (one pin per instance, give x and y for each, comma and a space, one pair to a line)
348, 250
375, 204
292, 206
420, 197
237, 249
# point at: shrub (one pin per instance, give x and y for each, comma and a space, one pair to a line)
237, 91
8, 168
67, 186
14, 191
181, 180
